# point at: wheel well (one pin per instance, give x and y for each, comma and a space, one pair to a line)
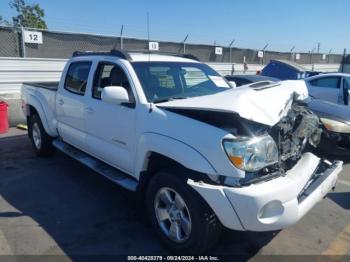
155, 163
30, 112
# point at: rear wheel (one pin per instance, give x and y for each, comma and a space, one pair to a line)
41, 141
183, 220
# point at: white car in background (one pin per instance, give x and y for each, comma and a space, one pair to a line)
333, 87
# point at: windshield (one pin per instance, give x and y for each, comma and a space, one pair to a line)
163, 81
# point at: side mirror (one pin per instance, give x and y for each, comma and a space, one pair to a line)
232, 84
115, 95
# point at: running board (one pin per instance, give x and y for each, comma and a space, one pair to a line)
98, 166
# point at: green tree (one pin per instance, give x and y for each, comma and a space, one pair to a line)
28, 15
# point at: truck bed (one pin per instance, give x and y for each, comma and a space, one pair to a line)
46, 85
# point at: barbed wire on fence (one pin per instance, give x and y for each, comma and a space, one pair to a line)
60, 44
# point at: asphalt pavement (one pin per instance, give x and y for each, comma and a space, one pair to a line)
56, 206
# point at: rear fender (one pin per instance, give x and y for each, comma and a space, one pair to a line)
36, 104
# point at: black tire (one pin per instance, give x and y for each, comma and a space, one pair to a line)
35, 127
206, 228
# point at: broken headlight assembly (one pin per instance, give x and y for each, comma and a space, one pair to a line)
251, 154
335, 126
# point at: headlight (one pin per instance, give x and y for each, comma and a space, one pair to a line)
335, 126
252, 154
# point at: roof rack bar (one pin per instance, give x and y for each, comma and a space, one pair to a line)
113, 52
126, 54
189, 56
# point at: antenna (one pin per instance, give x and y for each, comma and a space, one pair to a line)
148, 26
148, 37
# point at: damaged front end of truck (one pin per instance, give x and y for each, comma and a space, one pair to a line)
298, 132
268, 139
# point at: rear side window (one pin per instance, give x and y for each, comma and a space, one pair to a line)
330, 82
77, 77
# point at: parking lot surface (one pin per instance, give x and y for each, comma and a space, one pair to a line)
56, 206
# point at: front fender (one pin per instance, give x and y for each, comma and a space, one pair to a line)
170, 147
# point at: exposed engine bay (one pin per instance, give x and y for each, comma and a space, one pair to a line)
299, 129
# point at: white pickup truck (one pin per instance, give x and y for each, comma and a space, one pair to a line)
201, 154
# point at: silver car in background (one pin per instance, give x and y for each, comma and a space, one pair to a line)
332, 87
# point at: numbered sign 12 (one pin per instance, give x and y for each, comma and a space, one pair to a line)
153, 46
33, 37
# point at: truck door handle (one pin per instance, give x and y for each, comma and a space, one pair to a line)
89, 110
60, 102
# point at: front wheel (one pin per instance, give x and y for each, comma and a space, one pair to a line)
41, 141
183, 220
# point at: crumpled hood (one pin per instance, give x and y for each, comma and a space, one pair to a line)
265, 105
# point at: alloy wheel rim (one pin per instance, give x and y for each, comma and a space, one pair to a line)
172, 215
36, 135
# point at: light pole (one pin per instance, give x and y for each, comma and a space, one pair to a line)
311, 53
329, 53
264, 52
230, 46
184, 43
343, 60
291, 52
121, 37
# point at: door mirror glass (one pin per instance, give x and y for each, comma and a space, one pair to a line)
233, 84
115, 95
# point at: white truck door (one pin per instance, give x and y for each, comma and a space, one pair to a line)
325, 88
70, 104
111, 127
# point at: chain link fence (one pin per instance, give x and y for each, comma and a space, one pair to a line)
10, 42
63, 44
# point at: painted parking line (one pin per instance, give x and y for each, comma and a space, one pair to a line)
340, 245
343, 182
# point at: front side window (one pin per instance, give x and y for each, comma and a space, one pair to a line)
173, 80
77, 77
109, 74
330, 82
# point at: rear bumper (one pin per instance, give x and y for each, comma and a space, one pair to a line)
273, 204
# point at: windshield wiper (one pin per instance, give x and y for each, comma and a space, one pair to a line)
167, 99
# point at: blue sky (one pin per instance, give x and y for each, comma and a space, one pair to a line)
253, 23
